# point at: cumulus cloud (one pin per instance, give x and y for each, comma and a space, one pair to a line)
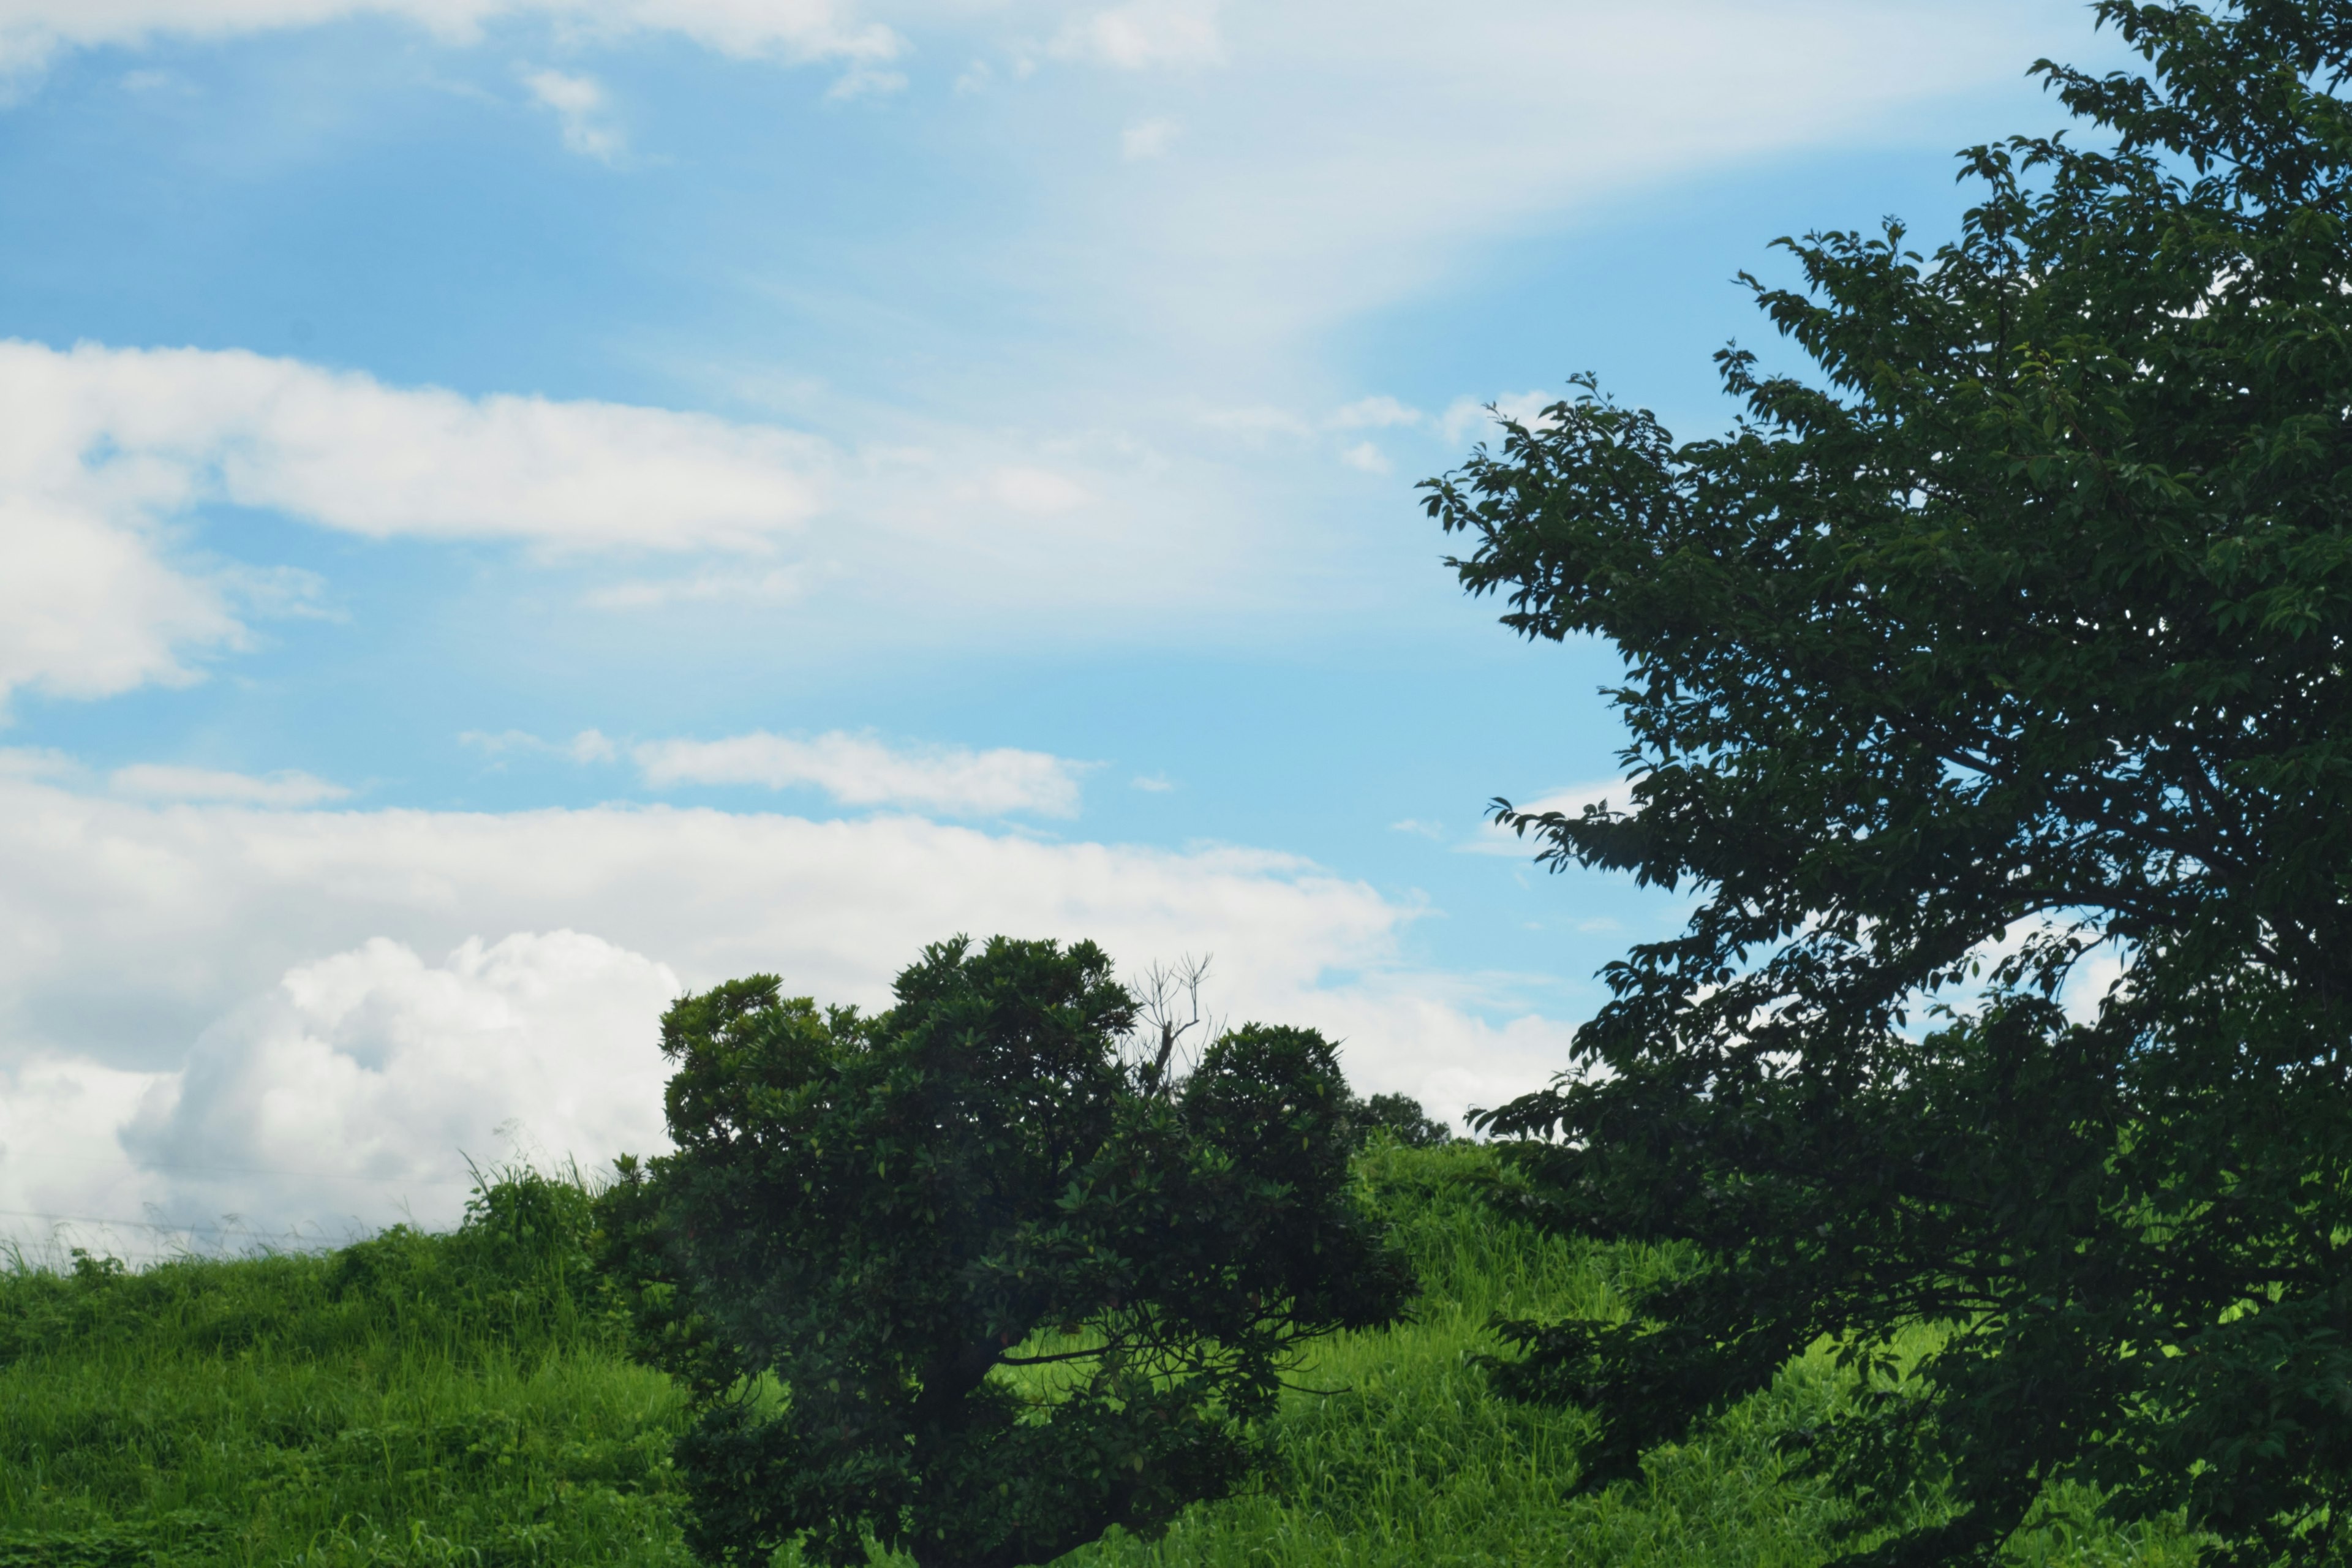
377, 1073
1365, 457
581, 108
148, 957
31, 31
156, 781
858, 770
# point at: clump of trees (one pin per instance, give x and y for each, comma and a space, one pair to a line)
976, 1277
2017, 628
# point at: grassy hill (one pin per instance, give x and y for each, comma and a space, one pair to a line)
461, 1399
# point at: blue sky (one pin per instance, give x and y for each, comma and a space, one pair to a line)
512, 508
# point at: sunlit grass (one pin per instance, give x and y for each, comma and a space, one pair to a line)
448, 1400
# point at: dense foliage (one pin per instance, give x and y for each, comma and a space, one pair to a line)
2014, 630
964, 1278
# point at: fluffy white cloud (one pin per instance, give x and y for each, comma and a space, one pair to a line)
160, 968
119, 433
104, 452
108, 456
858, 770
87, 609
31, 30
377, 1074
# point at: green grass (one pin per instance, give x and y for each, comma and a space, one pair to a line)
461, 1400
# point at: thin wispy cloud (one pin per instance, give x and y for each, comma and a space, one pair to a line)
163, 782
587, 746
777, 586
1145, 34
1373, 414
859, 770
581, 108
1148, 139
1493, 838
1466, 416
33, 31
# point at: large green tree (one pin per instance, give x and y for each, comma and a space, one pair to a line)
2011, 632
976, 1277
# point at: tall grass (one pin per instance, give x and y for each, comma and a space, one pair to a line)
463, 1399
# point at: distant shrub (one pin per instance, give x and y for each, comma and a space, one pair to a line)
1397, 1116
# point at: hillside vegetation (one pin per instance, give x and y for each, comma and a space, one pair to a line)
465, 1399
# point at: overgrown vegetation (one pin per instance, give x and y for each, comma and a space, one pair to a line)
462, 1399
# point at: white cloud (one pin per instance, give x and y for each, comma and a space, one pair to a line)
156, 781
587, 746
1257, 422
373, 1073
1466, 415
1147, 33
1037, 492
1373, 414
103, 451
1352, 155
1493, 838
865, 80
1148, 139
107, 457
31, 31
1152, 784
128, 433
858, 770
581, 105
165, 971
87, 609
777, 586
1365, 457
37, 763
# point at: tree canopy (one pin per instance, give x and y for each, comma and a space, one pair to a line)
967, 1277
2010, 633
